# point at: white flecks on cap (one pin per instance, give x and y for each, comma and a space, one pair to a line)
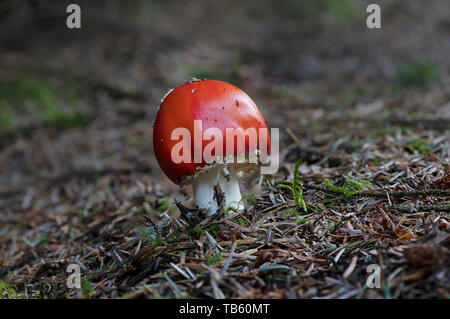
165, 95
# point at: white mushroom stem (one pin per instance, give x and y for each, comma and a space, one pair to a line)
226, 178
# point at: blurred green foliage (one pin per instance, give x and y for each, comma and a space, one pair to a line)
226, 72
36, 97
342, 10
195, 231
151, 234
6, 117
87, 288
213, 229
163, 204
420, 146
213, 260
416, 73
9, 291
205, 73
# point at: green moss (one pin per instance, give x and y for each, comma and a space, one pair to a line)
163, 204
87, 289
240, 222
9, 291
351, 186
420, 146
194, 231
303, 221
290, 211
151, 235
251, 198
213, 260
213, 229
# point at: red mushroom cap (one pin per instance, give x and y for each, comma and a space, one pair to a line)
218, 104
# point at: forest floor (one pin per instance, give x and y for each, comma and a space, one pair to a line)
364, 122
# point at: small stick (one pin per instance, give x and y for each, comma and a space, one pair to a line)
416, 208
382, 193
230, 257
350, 268
173, 285
180, 270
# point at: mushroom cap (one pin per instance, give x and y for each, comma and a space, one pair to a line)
217, 104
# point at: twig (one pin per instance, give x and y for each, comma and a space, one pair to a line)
351, 267
180, 271
382, 193
416, 208
230, 257
173, 285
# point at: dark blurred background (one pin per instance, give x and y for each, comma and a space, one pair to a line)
81, 102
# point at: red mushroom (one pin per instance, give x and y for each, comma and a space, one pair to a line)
212, 110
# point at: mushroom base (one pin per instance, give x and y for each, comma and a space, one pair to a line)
204, 194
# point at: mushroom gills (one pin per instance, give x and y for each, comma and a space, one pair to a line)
204, 194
